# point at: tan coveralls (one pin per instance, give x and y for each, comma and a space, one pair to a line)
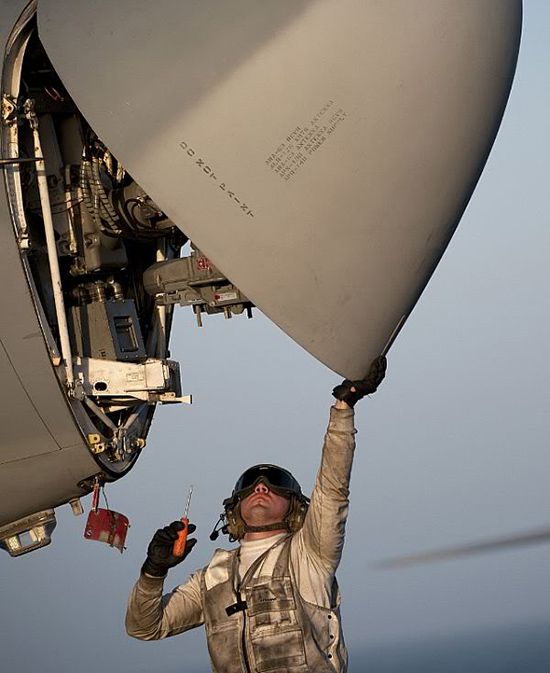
283, 617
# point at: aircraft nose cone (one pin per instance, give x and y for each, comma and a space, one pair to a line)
321, 154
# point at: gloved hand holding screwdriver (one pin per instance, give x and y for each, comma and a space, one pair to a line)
160, 552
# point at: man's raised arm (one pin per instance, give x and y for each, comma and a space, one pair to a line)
324, 527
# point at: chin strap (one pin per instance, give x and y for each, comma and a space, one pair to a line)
281, 525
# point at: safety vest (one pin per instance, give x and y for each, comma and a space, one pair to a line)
263, 624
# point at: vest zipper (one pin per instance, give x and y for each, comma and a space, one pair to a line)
250, 572
243, 638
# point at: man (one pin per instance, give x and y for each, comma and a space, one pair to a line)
271, 604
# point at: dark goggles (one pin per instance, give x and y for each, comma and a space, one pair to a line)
277, 478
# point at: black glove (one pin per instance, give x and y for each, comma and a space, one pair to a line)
365, 386
159, 552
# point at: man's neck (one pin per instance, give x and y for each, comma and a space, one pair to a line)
260, 535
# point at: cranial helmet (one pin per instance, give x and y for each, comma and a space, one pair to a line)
281, 482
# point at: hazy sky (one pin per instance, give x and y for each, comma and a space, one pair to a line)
453, 448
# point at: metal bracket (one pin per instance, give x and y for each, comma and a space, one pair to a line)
9, 110
110, 380
95, 443
171, 398
87, 485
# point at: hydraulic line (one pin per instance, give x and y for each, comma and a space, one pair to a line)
95, 198
107, 211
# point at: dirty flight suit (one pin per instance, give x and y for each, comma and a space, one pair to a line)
283, 617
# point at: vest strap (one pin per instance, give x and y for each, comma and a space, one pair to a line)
257, 563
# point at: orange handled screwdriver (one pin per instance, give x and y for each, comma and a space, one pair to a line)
179, 544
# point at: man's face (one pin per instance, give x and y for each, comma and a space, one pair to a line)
263, 506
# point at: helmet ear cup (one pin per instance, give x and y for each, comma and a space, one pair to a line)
296, 513
235, 525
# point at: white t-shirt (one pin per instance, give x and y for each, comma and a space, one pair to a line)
251, 549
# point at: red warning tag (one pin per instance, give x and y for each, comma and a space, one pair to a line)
104, 525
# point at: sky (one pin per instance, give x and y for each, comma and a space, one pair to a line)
453, 447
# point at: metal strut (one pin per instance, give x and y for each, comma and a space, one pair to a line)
55, 274
18, 160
